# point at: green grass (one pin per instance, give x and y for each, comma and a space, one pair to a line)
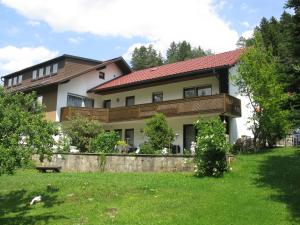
262, 189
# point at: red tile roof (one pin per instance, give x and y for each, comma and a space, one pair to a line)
202, 63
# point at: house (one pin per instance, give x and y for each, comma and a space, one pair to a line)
122, 99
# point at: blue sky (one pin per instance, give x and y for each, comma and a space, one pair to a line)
33, 31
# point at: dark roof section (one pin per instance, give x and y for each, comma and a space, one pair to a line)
65, 56
59, 79
168, 71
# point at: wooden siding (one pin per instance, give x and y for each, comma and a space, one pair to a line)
215, 104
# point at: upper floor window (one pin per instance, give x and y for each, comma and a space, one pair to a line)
130, 100
41, 72
79, 101
9, 82
54, 68
34, 75
15, 80
197, 91
106, 104
20, 79
48, 70
157, 97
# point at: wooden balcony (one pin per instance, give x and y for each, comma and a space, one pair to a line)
216, 104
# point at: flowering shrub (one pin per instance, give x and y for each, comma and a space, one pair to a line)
211, 149
105, 142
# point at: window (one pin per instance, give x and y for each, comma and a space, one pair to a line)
129, 100
48, 70
9, 82
106, 104
40, 99
79, 101
101, 75
15, 81
197, 91
129, 137
54, 68
41, 72
119, 133
157, 97
204, 91
34, 74
20, 79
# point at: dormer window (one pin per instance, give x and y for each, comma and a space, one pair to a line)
15, 81
54, 68
20, 79
9, 82
48, 68
41, 72
34, 75
101, 75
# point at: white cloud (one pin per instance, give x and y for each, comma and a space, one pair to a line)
159, 22
246, 24
247, 34
33, 23
75, 40
13, 58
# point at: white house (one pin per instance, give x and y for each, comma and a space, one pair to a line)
121, 100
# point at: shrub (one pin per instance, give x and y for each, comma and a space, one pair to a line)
23, 130
211, 149
81, 130
159, 134
105, 142
146, 148
122, 146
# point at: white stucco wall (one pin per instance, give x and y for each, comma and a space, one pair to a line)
176, 123
170, 91
239, 126
80, 85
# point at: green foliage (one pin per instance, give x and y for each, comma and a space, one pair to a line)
211, 149
23, 131
81, 130
145, 57
257, 79
146, 148
159, 134
105, 142
182, 51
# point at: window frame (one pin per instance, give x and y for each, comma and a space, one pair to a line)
54, 68
20, 79
105, 102
128, 98
9, 82
15, 81
196, 88
43, 72
34, 74
46, 70
83, 98
155, 93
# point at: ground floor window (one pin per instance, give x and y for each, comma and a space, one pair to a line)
79, 101
189, 136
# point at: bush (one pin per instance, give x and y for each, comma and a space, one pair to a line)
105, 142
81, 130
23, 130
158, 132
211, 149
146, 148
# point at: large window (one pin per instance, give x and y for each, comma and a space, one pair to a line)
15, 81
197, 91
20, 79
48, 70
54, 68
157, 97
130, 100
106, 104
9, 82
79, 101
41, 72
34, 75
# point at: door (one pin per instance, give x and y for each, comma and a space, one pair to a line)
189, 135
129, 137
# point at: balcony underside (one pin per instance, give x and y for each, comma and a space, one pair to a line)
222, 104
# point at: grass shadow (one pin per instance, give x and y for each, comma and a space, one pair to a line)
15, 208
282, 173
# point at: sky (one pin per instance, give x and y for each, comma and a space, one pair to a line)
32, 31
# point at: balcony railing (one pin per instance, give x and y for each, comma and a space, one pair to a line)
215, 104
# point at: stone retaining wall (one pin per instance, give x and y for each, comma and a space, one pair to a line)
75, 162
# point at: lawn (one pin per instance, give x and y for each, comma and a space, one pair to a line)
261, 189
